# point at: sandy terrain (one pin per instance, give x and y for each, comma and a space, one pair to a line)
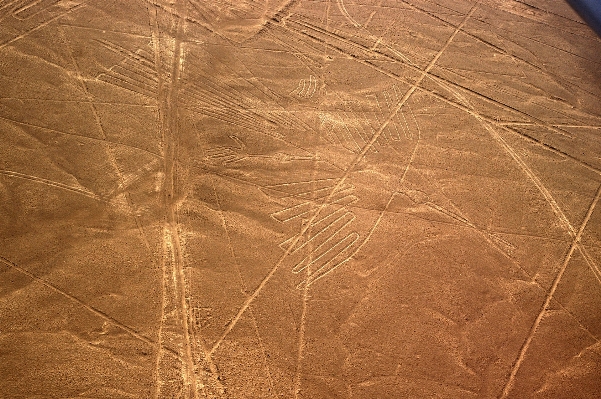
299, 199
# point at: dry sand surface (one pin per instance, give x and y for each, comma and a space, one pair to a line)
299, 199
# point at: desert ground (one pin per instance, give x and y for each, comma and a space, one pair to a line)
299, 199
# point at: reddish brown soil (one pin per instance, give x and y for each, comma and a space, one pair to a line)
299, 199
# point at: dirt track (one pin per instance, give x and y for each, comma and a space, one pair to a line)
299, 199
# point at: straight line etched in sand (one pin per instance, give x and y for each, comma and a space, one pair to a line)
244, 289
442, 81
520, 359
85, 305
155, 37
51, 183
305, 308
168, 104
107, 146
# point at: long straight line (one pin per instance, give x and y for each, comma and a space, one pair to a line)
305, 307
444, 82
170, 129
346, 174
575, 242
90, 308
155, 37
103, 136
243, 286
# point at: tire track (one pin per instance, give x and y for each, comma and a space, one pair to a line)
172, 256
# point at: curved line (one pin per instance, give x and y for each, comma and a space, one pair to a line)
300, 93
344, 12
